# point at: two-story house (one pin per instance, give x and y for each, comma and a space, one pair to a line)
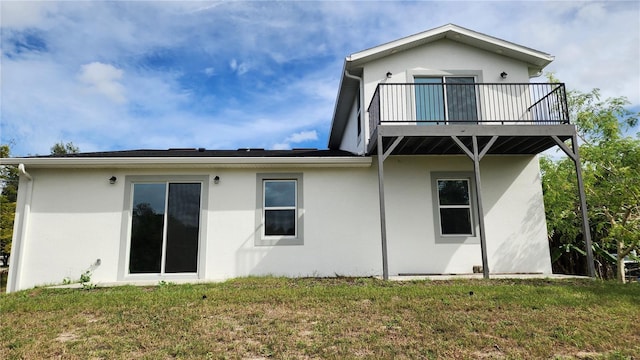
431, 168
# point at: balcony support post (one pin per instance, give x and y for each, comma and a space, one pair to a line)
574, 154
383, 222
476, 155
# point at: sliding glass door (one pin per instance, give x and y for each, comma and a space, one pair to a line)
165, 228
446, 100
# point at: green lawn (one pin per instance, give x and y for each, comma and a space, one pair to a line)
256, 318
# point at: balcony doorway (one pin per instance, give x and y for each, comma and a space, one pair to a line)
447, 99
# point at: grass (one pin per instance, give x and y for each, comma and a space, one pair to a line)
259, 318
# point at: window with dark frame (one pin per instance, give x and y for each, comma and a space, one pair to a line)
446, 99
359, 118
454, 207
165, 226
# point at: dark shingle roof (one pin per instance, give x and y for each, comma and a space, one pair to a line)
201, 152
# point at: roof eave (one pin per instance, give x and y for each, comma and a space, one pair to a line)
189, 162
346, 91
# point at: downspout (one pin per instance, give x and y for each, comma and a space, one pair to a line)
20, 229
362, 120
24, 172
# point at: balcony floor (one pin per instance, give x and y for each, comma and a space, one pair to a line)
437, 139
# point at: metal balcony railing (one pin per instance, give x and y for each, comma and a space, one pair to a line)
469, 103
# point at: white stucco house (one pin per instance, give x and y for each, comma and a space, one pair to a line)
431, 168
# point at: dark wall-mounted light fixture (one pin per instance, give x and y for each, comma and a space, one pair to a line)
112, 180
503, 75
216, 180
389, 74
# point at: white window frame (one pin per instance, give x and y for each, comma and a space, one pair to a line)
261, 239
437, 221
127, 219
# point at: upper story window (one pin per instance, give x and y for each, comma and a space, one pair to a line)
446, 99
359, 117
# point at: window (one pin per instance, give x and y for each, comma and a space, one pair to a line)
446, 99
162, 225
455, 207
279, 215
279, 207
454, 211
359, 117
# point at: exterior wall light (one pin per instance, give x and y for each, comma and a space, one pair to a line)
216, 180
389, 74
112, 180
503, 75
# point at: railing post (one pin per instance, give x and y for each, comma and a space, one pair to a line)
565, 105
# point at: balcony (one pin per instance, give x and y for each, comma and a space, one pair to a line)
522, 116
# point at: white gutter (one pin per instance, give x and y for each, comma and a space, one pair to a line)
362, 112
20, 231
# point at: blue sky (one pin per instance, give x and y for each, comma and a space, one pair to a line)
223, 75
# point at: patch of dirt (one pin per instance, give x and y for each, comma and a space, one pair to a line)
66, 336
587, 355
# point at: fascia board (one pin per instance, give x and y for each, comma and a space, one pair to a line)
194, 163
376, 51
455, 33
338, 121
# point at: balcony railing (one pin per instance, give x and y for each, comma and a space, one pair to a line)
468, 103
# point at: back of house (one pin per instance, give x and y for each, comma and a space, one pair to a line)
431, 168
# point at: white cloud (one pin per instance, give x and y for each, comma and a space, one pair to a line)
240, 68
296, 138
303, 136
104, 79
25, 14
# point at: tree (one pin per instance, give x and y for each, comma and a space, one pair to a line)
612, 184
8, 176
61, 148
611, 177
7, 215
9, 183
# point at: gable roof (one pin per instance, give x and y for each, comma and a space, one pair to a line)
534, 58
353, 64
